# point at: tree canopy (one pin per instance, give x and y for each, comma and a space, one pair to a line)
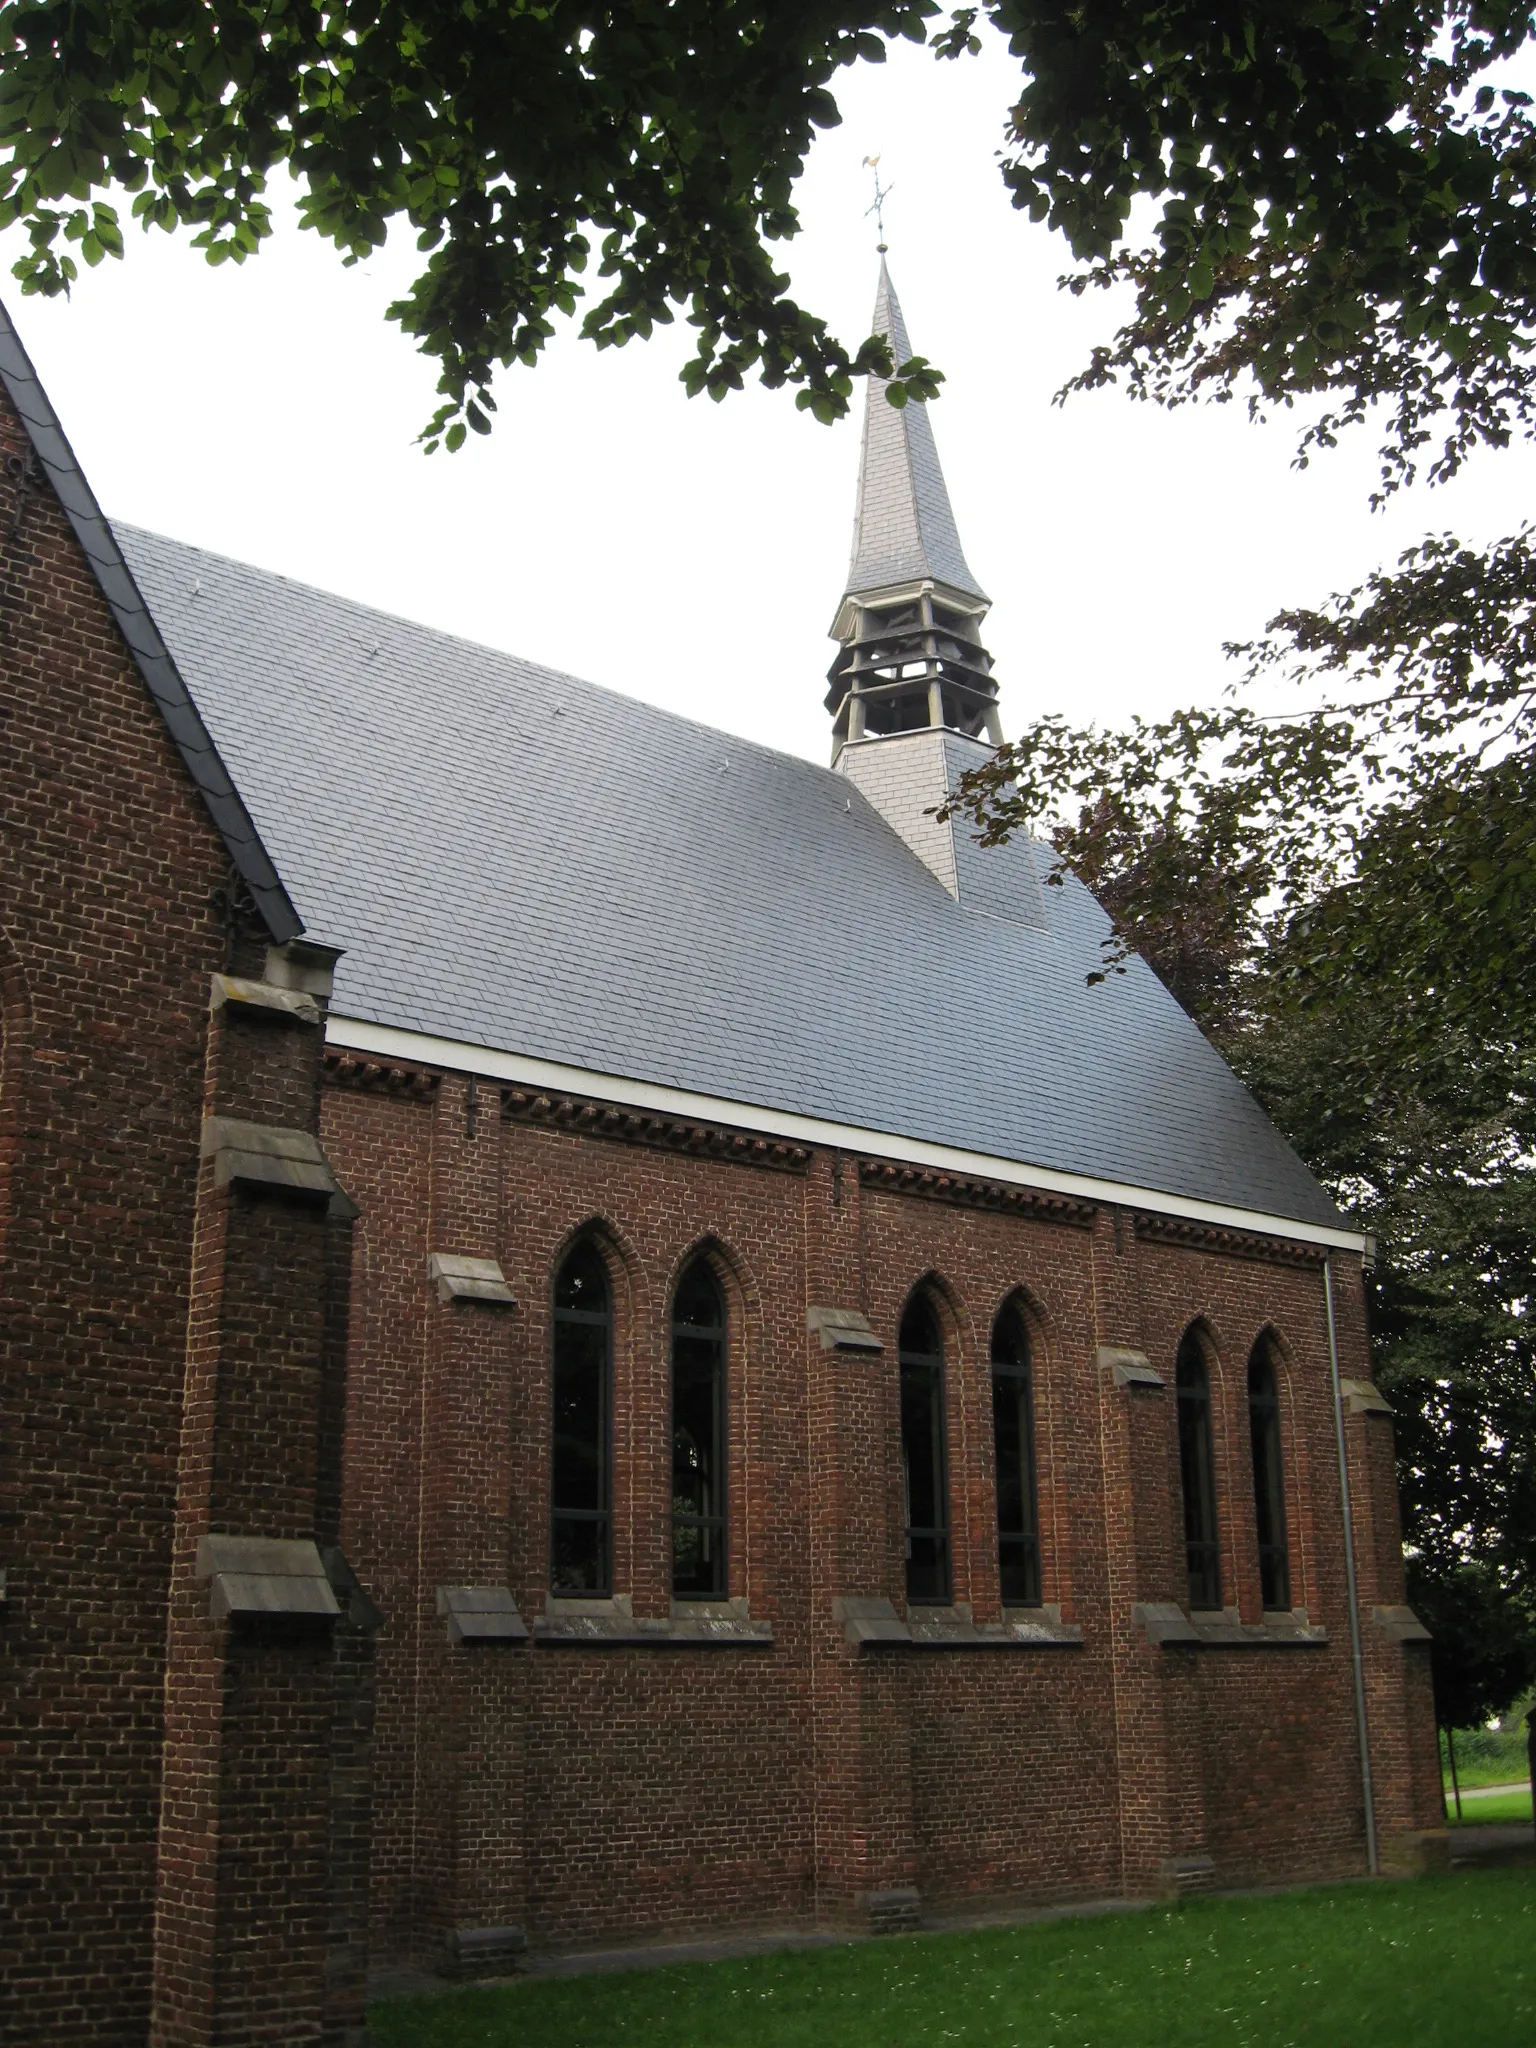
1336, 874
1482, 1656
656, 143
1341, 188
1383, 748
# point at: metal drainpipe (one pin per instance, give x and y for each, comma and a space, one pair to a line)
1372, 1860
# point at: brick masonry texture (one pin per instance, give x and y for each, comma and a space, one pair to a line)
210, 1820
185, 1807
108, 934
589, 1794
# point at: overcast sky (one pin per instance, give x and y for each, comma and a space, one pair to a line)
693, 554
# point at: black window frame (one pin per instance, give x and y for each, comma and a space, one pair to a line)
1266, 1441
1197, 1476
714, 1525
567, 1319
1013, 1442
930, 1579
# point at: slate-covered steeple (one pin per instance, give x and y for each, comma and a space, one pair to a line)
910, 656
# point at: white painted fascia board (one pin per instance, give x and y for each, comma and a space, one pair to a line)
389, 1042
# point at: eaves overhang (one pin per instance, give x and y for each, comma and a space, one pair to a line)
392, 1042
162, 678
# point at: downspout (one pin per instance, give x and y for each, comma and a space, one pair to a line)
1372, 1861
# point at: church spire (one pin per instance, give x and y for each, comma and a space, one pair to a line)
903, 528
909, 625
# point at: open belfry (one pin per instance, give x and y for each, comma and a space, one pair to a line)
605, 1339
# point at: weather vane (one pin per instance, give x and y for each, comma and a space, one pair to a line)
882, 193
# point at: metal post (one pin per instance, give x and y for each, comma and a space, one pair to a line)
1372, 1860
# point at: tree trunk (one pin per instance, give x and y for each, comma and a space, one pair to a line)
1450, 1743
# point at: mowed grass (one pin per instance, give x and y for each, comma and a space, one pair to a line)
1441, 1962
1483, 1813
1485, 1756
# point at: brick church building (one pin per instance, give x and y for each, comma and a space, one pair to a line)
604, 1340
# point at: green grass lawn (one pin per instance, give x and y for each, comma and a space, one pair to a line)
1486, 1756
1442, 1962
1483, 1813
1488, 1770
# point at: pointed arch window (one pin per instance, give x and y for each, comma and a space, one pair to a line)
1197, 1471
581, 1476
1013, 1431
698, 1436
924, 1473
1268, 1475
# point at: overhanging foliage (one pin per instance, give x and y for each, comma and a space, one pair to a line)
1343, 197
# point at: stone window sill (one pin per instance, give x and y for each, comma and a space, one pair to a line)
1165, 1623
481, 1614
874, 1624
611, 1624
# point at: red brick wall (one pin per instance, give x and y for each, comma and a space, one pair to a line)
386, 1160
252, 1766
1282, 1771
108, 934
655, 1791
183, 1823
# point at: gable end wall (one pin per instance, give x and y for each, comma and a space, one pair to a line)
108, 934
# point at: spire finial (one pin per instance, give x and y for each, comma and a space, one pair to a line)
882, 193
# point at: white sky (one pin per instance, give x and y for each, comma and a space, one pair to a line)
693, 554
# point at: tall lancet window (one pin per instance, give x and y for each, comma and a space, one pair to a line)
698, 1437
1268, 1474
1013, 1431
581, 1477
924, 1474
1197, 1470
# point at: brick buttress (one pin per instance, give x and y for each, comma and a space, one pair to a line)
262, 1890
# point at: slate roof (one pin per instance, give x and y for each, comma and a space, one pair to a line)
190, 736
522, 861
903, 528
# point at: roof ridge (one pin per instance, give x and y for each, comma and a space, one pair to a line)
483, 647
340, 597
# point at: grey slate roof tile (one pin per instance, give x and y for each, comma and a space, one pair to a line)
903, 528
596, 888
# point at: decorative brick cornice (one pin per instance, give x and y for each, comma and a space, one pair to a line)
1236, 1244
347, 1070
974, 1194
667, 1134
